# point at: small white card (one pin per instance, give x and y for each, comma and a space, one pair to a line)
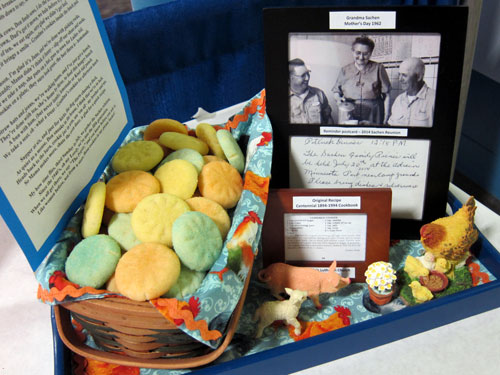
379, 132
326, 203
362, 20
325, 237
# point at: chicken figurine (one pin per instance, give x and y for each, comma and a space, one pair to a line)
444, 266
420, 292
414, 268
451, 237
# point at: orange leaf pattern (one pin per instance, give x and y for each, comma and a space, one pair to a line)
60, 288
258, 104
257, 185
175, 310
87, 366
335, 321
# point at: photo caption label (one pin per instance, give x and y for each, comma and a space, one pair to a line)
362, 20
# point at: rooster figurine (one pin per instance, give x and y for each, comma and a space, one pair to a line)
451, 237
240, 254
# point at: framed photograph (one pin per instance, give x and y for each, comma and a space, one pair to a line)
314, 227
367, 98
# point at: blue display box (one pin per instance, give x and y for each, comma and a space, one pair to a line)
360, 336
219, 63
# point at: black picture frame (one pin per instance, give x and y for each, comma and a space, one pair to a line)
448, 24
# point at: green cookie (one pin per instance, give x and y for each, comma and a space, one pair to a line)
196, 240
231, 149
93, 260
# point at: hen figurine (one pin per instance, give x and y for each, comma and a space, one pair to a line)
451, 237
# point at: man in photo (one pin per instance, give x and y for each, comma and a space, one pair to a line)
415, 106
308, 105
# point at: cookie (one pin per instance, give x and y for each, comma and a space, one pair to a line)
137, 155
111, 285
231, 149
160, 126
209, 158
147, 271
153, 217
94, 209
208, 134
178, 177
120, 229
166, 150
125, 190
188, 282
176, 141
92, 261
188, 154
214, 211
196, 240
220, 182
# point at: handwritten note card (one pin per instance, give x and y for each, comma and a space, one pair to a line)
332, 162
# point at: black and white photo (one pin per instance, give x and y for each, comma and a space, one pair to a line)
383, 79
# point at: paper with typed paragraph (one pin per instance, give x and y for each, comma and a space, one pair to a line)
60, 108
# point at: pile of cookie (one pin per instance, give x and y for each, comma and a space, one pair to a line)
158, 225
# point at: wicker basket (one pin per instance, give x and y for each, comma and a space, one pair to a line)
136, 334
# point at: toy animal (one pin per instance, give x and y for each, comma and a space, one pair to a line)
279, 276
414, 268
451, 237
286, 310
420, 292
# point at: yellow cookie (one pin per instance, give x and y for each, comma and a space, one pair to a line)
147, 271
213, 210
160, 126
153, 217
176, 141
94, 209
125, 190
138, 155
209, 158
220, 182
111, 285
208, 134
178, 177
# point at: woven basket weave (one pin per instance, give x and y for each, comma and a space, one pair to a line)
136, 334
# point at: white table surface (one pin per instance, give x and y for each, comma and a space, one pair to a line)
472, 345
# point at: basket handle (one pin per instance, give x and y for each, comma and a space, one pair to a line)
71, 340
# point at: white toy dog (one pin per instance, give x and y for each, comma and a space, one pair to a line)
286, 310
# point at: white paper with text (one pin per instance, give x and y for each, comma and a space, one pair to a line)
347, 163
61, 109
325, 237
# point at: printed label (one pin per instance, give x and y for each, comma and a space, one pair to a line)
362, 20
326, 203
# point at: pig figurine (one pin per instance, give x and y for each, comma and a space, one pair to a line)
279, 276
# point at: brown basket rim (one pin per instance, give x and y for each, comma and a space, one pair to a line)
72, 341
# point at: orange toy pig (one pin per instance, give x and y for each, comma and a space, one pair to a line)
279, 276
